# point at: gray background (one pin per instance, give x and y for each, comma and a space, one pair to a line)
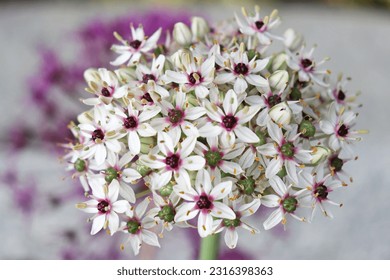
358, 42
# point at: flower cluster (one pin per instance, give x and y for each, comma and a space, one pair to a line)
211, 126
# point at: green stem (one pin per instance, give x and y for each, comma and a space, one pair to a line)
209, 247
143, 193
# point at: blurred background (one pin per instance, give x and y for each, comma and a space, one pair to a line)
45, 47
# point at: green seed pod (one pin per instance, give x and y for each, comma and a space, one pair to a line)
80, 165
307, 128
111, 174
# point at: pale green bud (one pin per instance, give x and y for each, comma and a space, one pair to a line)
199, 27
319, 154
182, 34
281, 113
278, 80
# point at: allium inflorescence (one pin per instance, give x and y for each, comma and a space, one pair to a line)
211, 126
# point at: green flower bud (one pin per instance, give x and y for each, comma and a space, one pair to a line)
295, 94
80, 165
142, 169
166, 190
167, 213
231, 223
307, 129
248, 184
213, 158
111, 174
133, 226
287, 149
290, 204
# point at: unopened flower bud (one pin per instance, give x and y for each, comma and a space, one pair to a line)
182, 34
125, 75
278, 80
319, 154
91, 75
178, 57
199, 27
279, 62
281, 113
292, 40
142, 169
147, 143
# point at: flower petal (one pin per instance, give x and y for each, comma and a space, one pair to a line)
221, 210
221, 190
194, 163
231, 238
274, 219
246, 135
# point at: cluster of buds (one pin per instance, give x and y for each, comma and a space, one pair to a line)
210, 126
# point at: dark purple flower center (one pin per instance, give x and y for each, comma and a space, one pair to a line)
147, 97
203, 202
97, 134
321, 192
135, 44
341, 95
192, 78
147, 77
259, 24
103, 206
175, 116
336, 164
342, 131
105, 92
130, 122
173, 161
241, 69
306, 63
273, 100
229, 122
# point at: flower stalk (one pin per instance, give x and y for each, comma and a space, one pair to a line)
209, 247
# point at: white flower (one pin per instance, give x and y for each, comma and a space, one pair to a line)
151, 78
175, 159
137, 226
117, 169
104, 205
285, 199
230, 122
131, 52
267, 100
338, 125
104, 84
218, 159
285, 151
255, 25
195, 74
241, 71
177, 117
203, 200
99, 139
307, 68
231, 226
135, 124
319, 189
